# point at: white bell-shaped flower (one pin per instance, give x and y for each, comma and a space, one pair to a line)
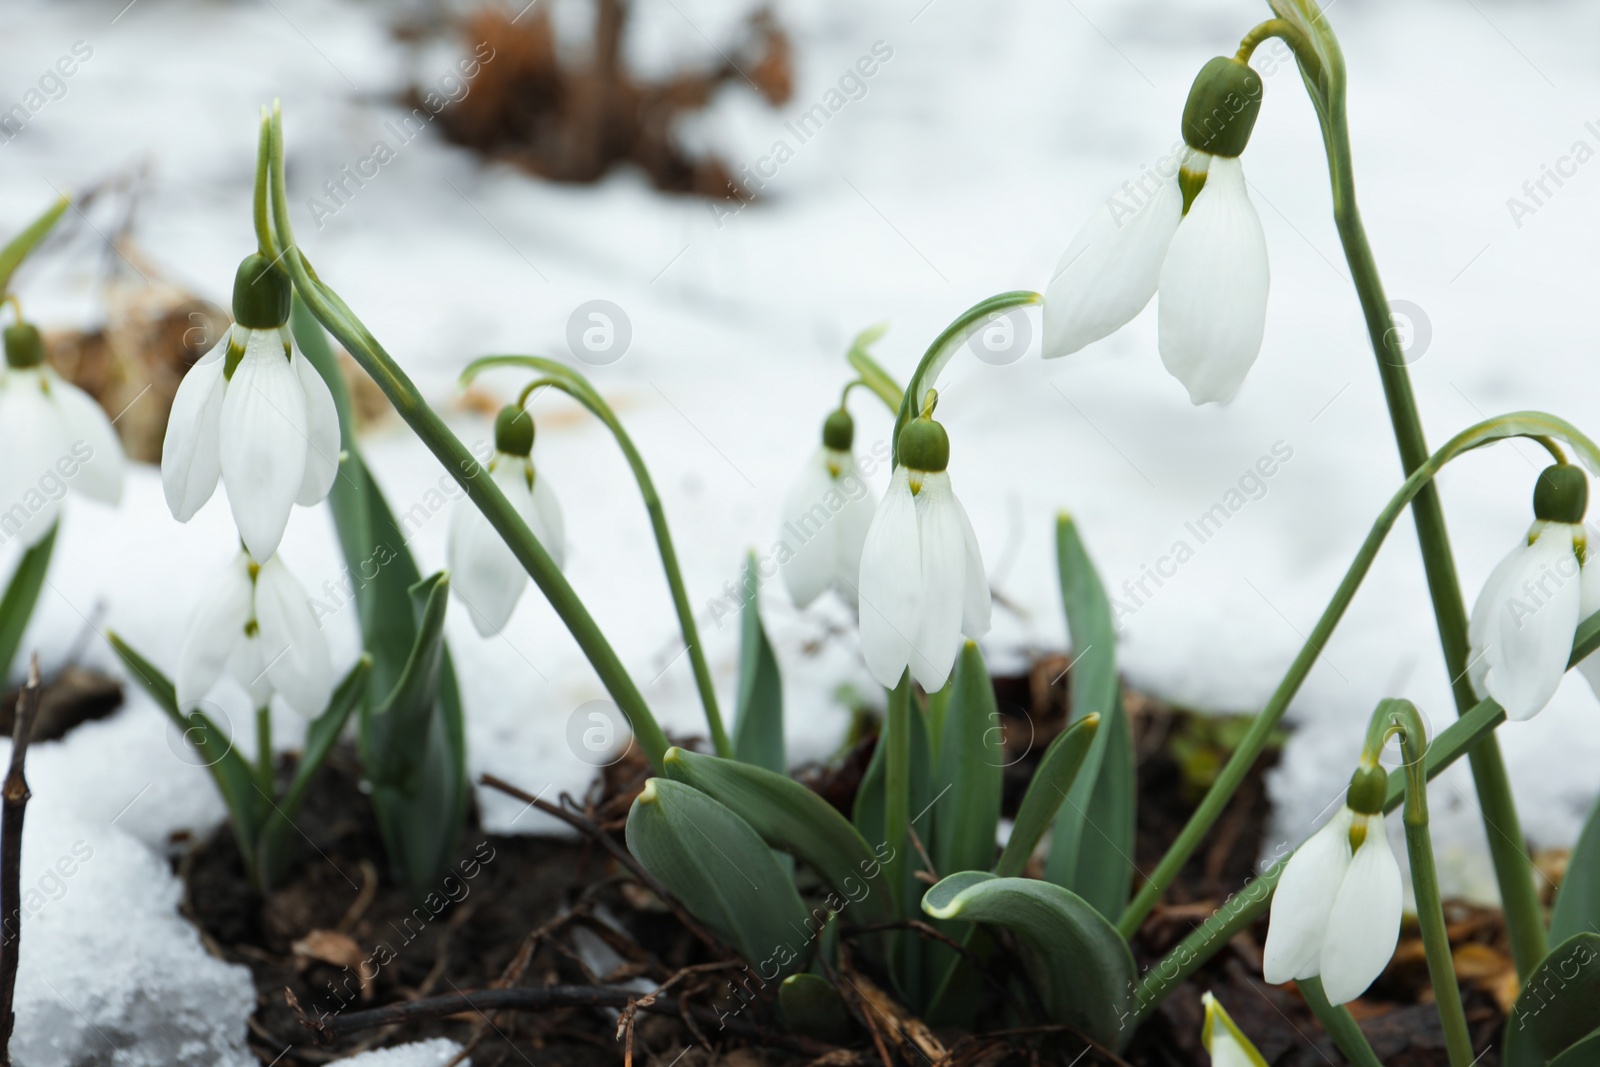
1336, 912
53, 437
256, 622
1523, 624
922, 583
484, 572
254, 412
826, 517
1224, 1040
1189, 232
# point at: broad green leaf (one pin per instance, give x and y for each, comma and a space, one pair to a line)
967, 782
395, 731
22, 593
17, 249
1052, 781
811, 1006
321, 735
1585, 1053
1092, 847
1559, 1006
721, 870
232, 773
1081, 966
793, 819
758, 723
1578, 901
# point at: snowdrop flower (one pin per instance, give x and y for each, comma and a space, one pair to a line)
52, 435
1224, 1040
827, 514
1525, 619
922, 580
256, 622
1190, 233
484, 572
1336, 913
255, 412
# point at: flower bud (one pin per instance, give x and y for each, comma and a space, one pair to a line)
260, 294
23, 347
839, 431
1560, 495
1222, 107
513, 431
924, 446
1369, 787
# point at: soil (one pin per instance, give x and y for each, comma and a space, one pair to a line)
534, 912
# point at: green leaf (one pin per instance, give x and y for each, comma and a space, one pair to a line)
17, 249
758, 723
231, 772
321, 735
1052, 781
811, 1006
880, 381
1080, 964
1559, 1006
1092, 846
1585, 1053
1578, 901
712, 861
22, 593
793, 819
967, 782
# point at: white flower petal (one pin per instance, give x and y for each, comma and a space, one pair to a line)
811, 531
215, 629
293, 646
484, 572
1214, 289
552, 526
1305, 895
191, 458
976, 602
1589, 603
1110, 270
944, 582
891, 583
263, 442
32, 441
322, 432
1364, 925
853, 520
91, 441
1524, 630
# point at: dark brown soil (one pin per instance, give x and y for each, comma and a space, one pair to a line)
341, 916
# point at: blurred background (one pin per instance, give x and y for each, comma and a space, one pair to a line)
736, 190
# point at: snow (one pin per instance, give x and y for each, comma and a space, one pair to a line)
434, 1053
976, 150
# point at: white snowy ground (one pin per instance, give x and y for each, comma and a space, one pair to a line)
975, 152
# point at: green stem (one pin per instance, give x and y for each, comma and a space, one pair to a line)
264, 769
944, 347
17, 249
569, 381
1340, 1024
897, 787
873, 376
464, 468
1404, 720
265, 242
1520, 424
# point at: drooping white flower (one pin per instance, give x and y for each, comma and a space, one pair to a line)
1522, 626
256, 623
1336, 912
1189, 232
254, 412
484, 572
922, 583
53, 436
826, 517
1224, 1040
